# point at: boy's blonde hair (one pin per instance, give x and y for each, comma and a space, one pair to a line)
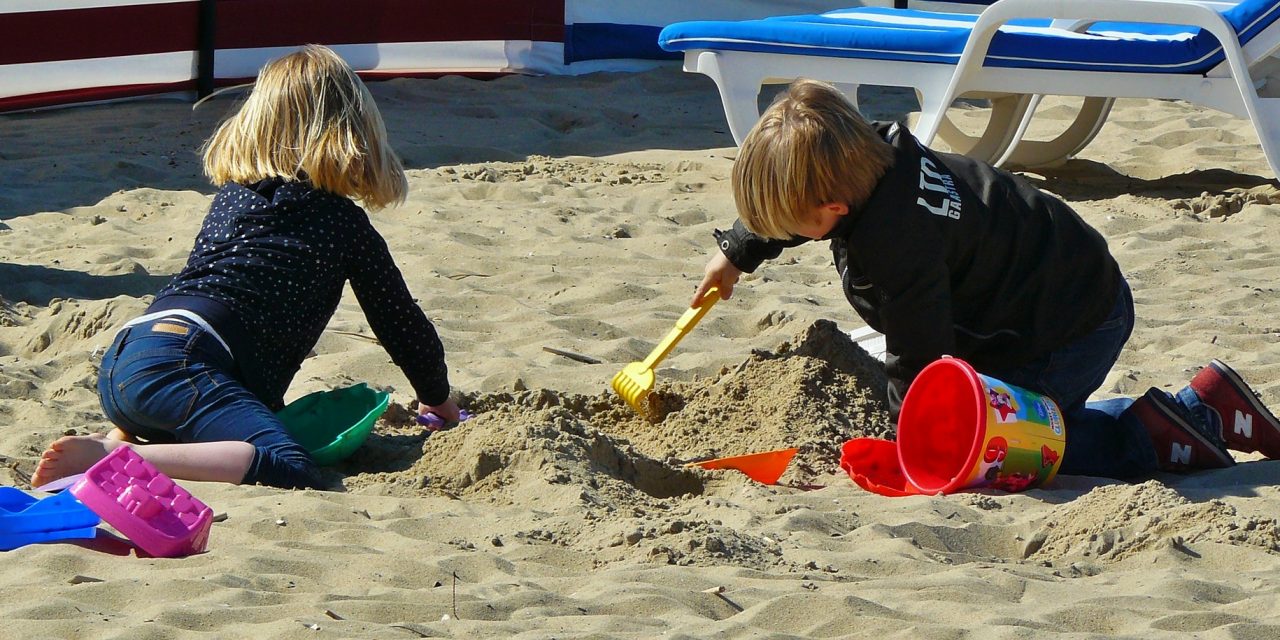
810, 147
309, 117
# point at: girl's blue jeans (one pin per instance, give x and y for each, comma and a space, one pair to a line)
168, 380
1103, 439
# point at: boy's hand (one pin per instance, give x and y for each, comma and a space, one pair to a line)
719, 272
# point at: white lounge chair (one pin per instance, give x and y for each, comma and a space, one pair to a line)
1215, 54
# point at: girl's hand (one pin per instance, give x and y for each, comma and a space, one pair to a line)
448, 410
719, 272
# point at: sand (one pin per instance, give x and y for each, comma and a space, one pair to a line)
576, 214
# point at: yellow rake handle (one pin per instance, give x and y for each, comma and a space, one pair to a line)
683, 326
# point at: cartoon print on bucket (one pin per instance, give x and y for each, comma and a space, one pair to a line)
959, 430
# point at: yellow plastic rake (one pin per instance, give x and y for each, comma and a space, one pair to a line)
635, 381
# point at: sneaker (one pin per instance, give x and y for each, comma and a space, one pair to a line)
1245, 424
1179, 446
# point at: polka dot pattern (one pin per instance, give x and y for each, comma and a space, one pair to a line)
277, 254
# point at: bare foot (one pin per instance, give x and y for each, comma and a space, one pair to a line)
70, 455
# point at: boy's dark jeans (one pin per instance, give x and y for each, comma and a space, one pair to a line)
174, 383
1103, 439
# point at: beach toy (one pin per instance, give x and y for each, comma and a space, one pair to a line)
64, 482
959, 429
331, 425
434, 422
25, 519
873, 464
145, 505
635, 381
764, 468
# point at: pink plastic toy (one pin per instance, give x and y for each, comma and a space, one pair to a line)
145, 505
434, 422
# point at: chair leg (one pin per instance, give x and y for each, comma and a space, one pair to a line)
1266, 122
850, 91
1006, 110
933, 113
1045, 153
739, 91
1263, 112
1021, 130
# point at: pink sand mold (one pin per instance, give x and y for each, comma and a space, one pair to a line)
145, 505
25, 519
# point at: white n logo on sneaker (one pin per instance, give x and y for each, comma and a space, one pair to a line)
1180, 454
1244, 424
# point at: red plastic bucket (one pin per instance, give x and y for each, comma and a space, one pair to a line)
959, 429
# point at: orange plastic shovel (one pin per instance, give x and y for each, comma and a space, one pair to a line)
764, 468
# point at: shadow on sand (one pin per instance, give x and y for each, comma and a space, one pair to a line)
38, 285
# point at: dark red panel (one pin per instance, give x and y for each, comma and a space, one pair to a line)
278, 23
73, 34
546, 20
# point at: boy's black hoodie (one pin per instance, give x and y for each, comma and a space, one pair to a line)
951, 256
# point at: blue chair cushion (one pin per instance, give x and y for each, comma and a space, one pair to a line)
936, 37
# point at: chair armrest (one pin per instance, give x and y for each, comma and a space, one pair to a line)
1083, 12
1080, 25
1216, 6
1183, 12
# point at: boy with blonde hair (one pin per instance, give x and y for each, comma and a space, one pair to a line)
946, 255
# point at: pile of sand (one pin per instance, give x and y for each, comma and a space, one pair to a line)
628, 472
615, 484
1115, 523
813, 392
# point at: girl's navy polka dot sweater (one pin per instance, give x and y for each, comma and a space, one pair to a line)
267, 272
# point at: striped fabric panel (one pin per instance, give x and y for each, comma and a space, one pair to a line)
71, 29
59, 51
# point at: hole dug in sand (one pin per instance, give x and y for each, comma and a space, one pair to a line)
598, 467
605, 485
814, 392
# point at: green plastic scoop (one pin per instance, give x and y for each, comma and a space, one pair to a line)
331, 425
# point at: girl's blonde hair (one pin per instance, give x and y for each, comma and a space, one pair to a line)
811, 147
309, 117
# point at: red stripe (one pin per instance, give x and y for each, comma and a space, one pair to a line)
74, 34
31, 101
282, 23
91, 94
380, 76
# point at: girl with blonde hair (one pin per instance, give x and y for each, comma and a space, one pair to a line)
200, 375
